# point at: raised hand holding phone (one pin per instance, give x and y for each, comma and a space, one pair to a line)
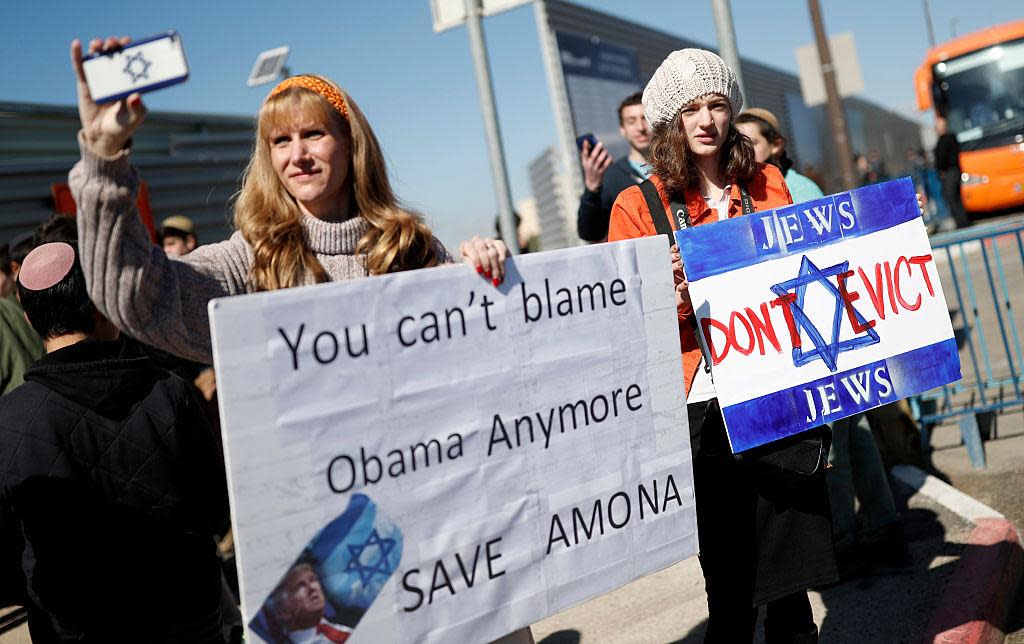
107, 127
595, 160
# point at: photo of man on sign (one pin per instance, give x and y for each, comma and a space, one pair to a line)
324, 594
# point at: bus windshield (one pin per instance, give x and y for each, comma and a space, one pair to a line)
981, 94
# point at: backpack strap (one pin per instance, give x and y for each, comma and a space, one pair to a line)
654, 206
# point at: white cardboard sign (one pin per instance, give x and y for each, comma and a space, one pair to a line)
424, 457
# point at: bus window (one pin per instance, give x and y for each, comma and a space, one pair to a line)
981, 94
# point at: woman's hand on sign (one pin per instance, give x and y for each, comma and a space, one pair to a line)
679, 278
487, 256
108, 127
920, 203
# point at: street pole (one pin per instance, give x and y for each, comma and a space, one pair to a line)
928, 22
490, 115
836, 117
727, 40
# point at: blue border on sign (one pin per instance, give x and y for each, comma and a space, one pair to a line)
783, 413
763, 236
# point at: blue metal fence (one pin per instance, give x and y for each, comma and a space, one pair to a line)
982, 272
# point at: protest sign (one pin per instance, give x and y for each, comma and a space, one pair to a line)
817, 311
427, 458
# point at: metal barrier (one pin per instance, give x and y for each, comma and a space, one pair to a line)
986, 322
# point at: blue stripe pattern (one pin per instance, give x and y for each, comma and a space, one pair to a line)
763, 236
784, 413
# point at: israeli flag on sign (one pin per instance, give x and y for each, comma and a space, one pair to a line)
336, 578
817, 311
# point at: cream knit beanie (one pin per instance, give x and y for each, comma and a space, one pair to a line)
685, 75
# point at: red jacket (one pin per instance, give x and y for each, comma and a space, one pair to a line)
630, 219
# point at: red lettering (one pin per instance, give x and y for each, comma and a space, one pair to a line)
921, 260
706, 324
786, 301
889, 287
899, 294
763, 328
849, 297
874, 293
736, 315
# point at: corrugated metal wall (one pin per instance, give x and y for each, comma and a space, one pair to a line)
873, 128
192, 163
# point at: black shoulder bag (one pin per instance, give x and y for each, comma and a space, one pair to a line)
794, 458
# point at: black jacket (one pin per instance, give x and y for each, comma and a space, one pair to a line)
947, 153
596, 208
111, 491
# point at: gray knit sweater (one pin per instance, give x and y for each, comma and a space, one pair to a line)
162, 301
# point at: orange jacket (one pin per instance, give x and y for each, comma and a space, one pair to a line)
630, 219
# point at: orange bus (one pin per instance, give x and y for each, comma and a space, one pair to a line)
977, 82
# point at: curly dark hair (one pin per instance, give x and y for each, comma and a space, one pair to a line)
673, 162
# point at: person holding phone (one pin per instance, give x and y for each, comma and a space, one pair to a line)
315, 205
603, 178
762, 541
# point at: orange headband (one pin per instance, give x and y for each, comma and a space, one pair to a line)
324, 89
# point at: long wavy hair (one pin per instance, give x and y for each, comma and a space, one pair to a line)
674, 162
270, 220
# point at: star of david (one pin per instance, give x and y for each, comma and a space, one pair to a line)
366, 571
137, 67
826, 351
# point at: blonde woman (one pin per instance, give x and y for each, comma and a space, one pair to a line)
315, 206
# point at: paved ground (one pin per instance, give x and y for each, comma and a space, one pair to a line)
884, 606
1000, 485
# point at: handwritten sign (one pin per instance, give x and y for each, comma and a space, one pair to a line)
425, 458
820, 310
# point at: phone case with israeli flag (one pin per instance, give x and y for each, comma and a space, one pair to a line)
142, 66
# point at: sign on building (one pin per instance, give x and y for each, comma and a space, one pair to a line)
598, 75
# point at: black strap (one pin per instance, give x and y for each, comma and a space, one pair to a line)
748, 203
654, 206
680, 211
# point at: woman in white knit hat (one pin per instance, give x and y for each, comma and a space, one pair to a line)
762, 540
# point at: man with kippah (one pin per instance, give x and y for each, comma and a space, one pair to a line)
111, 485
178, 236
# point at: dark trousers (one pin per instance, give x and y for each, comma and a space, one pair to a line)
950, 180
727, 527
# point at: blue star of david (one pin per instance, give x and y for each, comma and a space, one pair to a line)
827, 352
366, 571
137, 67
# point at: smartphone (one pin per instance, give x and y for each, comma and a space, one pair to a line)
141, 66
588, 138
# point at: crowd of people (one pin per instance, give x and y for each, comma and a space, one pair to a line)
109, 459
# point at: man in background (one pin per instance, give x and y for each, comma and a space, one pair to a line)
603, 180
112, 485
178, 236
947, 163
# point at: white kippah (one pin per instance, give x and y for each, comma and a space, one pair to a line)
685, 75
